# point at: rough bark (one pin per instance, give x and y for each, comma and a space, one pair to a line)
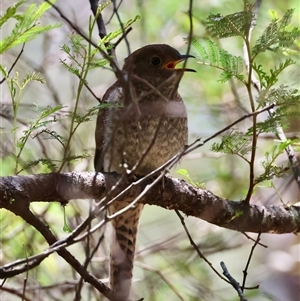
16, 192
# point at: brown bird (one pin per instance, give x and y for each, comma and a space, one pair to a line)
145, 126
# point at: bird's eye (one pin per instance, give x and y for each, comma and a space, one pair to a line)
155, 61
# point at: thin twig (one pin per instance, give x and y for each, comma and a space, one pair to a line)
232, 281
15, 292
116, 12
88, 258
249, 237
252, 252
124, 34
25, 284
201, 255
14, 63
251, 79
190, 36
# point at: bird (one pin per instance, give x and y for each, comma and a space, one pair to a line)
143, 125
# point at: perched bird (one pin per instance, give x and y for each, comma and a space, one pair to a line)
145, 126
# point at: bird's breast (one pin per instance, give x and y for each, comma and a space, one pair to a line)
147, 135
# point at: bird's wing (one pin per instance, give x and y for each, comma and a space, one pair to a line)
125, 226
112, 95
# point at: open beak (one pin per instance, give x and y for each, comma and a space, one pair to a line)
183, 57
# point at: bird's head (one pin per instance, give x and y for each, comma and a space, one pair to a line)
155, 62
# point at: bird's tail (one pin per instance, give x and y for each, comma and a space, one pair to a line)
122, 250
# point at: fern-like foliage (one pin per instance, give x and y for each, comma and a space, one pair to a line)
118, 32
94, 111
268, 80
210, 53
184, 172
17, 88
80, 58
50, 164
235, 143
11, 12
100, 8
45, 118
287, 103
27, 26
237, 24
281, 96
271, 170
47, 162
36, 76
276, 36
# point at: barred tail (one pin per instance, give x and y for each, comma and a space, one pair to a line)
123, 248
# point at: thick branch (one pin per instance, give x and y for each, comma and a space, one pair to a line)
173, 194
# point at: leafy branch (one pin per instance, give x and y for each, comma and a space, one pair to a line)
83, 58
42, 122
210, 53
275, 37
27, 27
271, 170
236, 24
235, 143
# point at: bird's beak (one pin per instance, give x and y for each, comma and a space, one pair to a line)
172, 65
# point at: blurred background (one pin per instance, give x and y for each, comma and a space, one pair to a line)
167, 266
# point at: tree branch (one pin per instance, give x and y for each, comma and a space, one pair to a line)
19, 191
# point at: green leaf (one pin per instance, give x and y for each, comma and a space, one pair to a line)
3, 71
275, 36
96, 63
44, 161
39, 123
271, 170
185, 173
210, 53
27, 27
236, 24
101, 7
237, 214
79, 118
268, 80
286, 102
95, 110
266, 184
46, 112
79, 45
234, 142
118, 32
11, 13
66, 227
182, 172
70, 67
74, 158
280, 96
32, 76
